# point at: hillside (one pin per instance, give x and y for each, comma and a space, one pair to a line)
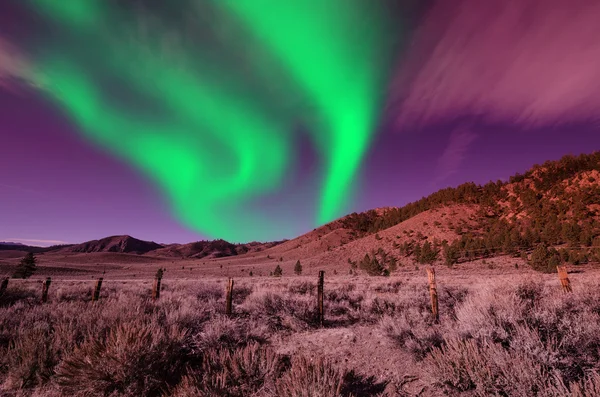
121, 244
547, 216
553, 208
210, 249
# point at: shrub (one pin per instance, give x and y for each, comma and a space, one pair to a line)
413, 332
487, 369
136, 358
31, 359
234, 373
310, 378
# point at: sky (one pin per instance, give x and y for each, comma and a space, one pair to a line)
261, 120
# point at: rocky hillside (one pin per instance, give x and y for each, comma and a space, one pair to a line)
549, 215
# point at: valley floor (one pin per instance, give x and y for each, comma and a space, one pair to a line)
503, 330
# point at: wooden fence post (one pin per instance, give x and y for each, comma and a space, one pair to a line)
433, 294
229, 298
96, 295
156, 287
45, 288
320, 298
564, 278
3, 286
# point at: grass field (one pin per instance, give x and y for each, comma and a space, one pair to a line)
504, 333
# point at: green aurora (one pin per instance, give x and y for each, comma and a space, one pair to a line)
216, 139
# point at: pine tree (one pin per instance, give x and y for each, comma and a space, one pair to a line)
278, 272
544, 259
428, 254
452, 253
371, 265
298, 268
392, 264
27, 266
417, 252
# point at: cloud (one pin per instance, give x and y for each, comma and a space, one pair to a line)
454, 153
13, 65
533, 62
28, 241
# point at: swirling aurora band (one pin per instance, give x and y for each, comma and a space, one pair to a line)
219, 136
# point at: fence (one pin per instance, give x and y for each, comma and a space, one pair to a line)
156, 288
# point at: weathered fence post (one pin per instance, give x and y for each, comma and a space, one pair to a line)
3, 286
433, 294
96, 295
45, 288
564, 278
156, 287
229, 298
320, 298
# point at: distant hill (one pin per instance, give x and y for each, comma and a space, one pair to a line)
210, 249
122, 244
10, 246
198, 249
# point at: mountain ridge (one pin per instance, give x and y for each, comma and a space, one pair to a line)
555, 205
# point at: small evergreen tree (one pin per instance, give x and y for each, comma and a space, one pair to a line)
539, 257
27, 266
544, 259
371, 265
392, 264
417, 252
428, 253
278, 272
298, 268
452, 253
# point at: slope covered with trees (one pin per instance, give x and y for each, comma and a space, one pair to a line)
549, 215
554, 208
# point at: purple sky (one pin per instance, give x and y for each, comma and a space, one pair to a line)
485, 89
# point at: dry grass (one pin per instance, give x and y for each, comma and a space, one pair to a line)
524, 339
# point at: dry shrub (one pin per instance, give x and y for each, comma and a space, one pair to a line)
241, 292
136, 358
414, 332
14, 294
390, 287
487, 369
561, 331
490, 314
74, 293
282, 311
588, 387
207, 292
30, 359
302, 288
223, 331
311, 378
239, 372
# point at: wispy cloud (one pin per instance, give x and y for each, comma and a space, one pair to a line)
533, 62
451, 159
13, 65
18, 188
27, 241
